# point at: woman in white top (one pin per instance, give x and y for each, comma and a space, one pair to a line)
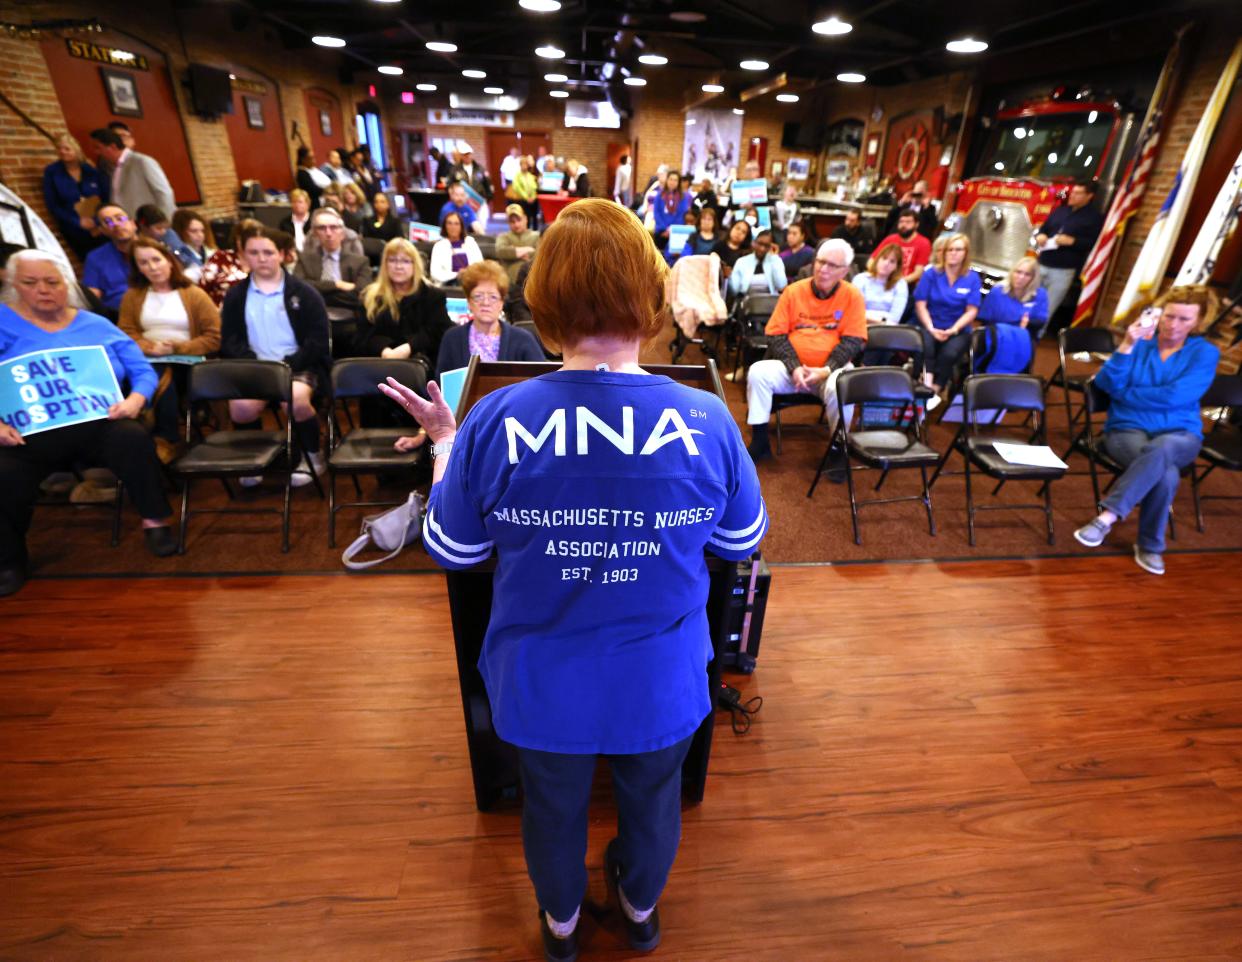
298, 222
166, 314
786, 209
454, 251
882, 286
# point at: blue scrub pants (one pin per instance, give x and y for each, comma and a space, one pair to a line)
1153, 469
557, 791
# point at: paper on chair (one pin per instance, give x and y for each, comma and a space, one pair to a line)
1034, 455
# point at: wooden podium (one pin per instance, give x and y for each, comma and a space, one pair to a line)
493, 763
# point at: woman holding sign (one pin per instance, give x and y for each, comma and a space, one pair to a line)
59, 406
598, 486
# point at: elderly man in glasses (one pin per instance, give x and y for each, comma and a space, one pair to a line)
818, 329
105, 273
336, 273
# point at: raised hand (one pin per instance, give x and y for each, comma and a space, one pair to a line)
434, 415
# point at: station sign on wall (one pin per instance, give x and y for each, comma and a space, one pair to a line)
113, 56
469, 118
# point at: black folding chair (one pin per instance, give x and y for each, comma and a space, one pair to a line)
885, 340
1222, 445
886, 449
750, 317
1015, 393
1071, 341
373, 247
236, 454
367, 450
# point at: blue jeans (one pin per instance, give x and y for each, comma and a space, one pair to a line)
557, 790
1153, 468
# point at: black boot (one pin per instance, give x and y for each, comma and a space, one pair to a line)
758, 449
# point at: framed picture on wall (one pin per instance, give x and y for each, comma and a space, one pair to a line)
122, 92
873, 150
325, 123
254, 113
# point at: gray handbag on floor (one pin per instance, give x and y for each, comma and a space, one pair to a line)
390, 531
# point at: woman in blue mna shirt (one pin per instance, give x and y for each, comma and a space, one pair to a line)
1154, 381
945, 301
38, 315
598, 487
67, 182
1018, 299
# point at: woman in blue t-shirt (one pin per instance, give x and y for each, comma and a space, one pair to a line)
945, 301
1018, 299
39, 314
598, 486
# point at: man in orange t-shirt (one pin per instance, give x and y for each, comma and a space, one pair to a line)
819, 328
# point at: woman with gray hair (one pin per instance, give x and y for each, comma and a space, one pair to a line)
59, 420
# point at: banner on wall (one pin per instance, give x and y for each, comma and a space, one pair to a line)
713, 143
469, 118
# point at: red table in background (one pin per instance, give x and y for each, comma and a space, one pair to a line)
550, 205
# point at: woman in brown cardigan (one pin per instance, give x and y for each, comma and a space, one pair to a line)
167, 314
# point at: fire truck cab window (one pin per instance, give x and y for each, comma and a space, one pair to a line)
1057, 146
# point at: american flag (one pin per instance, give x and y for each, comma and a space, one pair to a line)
1129, 195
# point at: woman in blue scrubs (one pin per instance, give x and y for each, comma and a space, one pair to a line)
945, 302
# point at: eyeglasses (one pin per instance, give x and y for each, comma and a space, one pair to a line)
485, 298
400, 261
113, 221
830, 265
329, 227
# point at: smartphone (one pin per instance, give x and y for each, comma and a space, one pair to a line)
1149, 318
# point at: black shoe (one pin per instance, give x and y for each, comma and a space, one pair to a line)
555, 949
12, 577
160, 541
643, 936
758, 450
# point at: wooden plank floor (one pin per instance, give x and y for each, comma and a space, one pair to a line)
1020, 760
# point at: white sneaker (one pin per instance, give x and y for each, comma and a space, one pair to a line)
317, 462
933, 402
251, 481
301, 476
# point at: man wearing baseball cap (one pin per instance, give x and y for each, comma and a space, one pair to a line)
470, 173
516, 245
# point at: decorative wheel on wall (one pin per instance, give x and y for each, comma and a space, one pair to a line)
912, 154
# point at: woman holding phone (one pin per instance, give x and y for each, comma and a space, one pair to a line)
1154, 381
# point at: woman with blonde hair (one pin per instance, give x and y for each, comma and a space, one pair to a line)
404, 317
356, 209
1018, 299
68, 182
883, 288
946, 301
606, 657
525, 189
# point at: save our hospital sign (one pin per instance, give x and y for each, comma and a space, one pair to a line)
53, 389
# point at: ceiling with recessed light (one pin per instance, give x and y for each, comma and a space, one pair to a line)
732, 43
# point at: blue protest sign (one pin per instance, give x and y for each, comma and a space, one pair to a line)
458, 309
747, 192
678, 235
52, 389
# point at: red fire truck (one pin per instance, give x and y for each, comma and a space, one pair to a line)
1030, 157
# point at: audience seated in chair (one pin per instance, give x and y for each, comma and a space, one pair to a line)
166, 314
196, 238
485, 285
154, 223
760, 272
705, 236
516, 246
457, 204
334, 272
298, 223
40, 312
797, 253
819, 328
1154, 381
945, 302
405, 317
106, 269
355, 207
734, 245
274, 316
383, 222
668, 208
883, 288
915, 248
454, 251
1018, 299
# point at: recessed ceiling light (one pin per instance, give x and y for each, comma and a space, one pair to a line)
739, 111
712, 89
474, 74
441, 46
832, 27
787, 98
561, 94
328, 41
635, 82
687, 16
391, 71
654, 59
851, 78
496, 91
754, 65
540, 6
555, 78
549, 52
425, 88
966, 45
